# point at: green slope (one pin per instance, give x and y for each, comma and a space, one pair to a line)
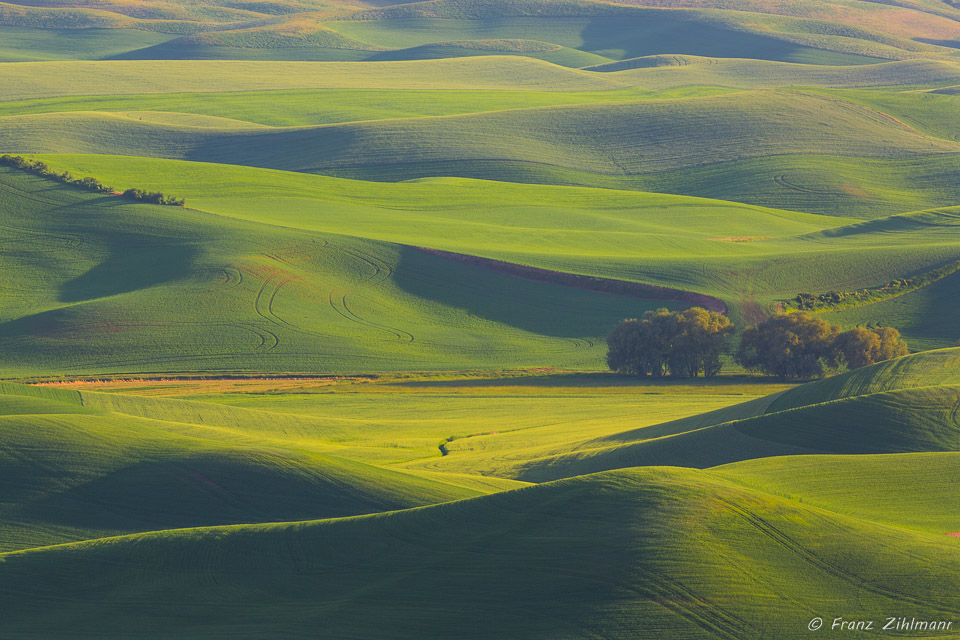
844, 32
916, 491
905, 405
627, 138
627, 32
305, 107
750, 257
815, 183
931, 74
921, 370
74, 472
28, 45
928, 315
827, 185
52, 79
95, 284
677, 553
564, 56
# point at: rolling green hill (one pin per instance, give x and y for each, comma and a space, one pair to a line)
676, 129
25, 45
74, 473
922, 370
82, 464
627, 138
619, 32
905, 405
356, 386
147, 288
53, 79
844, 33
750, 260
893, 489
680, 553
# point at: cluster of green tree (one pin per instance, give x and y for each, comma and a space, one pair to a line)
153, 197
844, 299
39, 168
800, 345
683, 344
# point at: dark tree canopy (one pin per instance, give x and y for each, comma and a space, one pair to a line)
802, 345
683, 344
861, 347
794, 345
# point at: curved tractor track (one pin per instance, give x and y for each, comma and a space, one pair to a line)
781, 180
382, 272
337, 298
265, 340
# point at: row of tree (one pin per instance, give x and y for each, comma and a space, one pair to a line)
689, 343
41, 169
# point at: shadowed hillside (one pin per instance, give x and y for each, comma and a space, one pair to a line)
904, 405
676, 552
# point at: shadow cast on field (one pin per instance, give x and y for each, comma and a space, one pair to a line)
134, 262
658, 32
604, 379
304, 149
198, 490
545, 309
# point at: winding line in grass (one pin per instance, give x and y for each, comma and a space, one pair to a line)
382, 272
798, 549
783, 182
679, 599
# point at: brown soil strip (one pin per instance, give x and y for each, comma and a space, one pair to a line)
740, 238
590, 283
185, 387
954, 534
900, 122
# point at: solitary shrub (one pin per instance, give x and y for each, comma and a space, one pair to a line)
683, 344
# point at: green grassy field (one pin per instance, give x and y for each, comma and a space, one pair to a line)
84, 464
793, 529
211, 293
579, 33
329, 397
651, 551
626, 138
678, 242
